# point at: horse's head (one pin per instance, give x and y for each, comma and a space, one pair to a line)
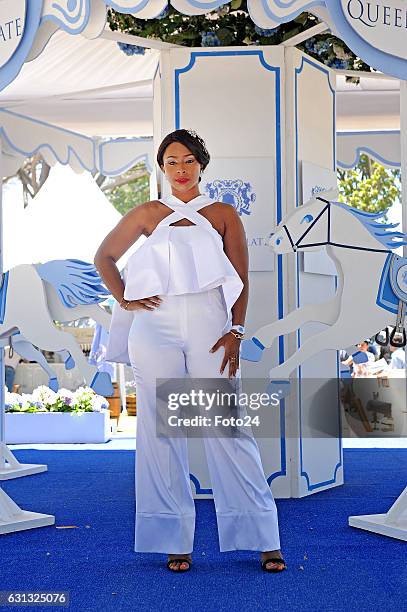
305, 227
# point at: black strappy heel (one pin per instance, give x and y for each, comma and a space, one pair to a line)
273, 560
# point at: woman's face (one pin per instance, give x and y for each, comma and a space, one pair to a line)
180, 167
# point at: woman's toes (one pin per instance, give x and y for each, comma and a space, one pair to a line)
273, 565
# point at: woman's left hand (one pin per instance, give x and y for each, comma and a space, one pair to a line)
231, 345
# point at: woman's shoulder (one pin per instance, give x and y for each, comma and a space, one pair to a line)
224, 206
145, 209
226, 211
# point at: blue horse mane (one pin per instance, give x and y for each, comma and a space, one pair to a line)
390, 240
76, 282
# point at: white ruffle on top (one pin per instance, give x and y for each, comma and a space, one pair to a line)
172, 261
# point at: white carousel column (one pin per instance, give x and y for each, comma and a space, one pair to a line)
12, 517
210, 91
394, 522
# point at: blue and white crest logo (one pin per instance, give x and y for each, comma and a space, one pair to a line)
235, 192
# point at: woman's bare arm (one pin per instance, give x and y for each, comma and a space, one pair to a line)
116, 243
235, 247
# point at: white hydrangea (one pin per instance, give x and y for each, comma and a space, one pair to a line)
44, 394
99, 403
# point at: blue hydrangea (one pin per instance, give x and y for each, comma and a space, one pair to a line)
311, 46
323, 47
131, 49
263, 32
339, 64
163, 13
209, 39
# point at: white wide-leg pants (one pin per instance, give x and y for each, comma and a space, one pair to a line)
170, 342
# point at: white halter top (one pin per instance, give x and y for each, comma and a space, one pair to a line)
175, 260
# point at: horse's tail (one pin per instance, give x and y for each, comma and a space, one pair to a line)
76, 282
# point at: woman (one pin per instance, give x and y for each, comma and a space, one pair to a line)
182, 310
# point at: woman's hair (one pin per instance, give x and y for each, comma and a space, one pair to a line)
191, 141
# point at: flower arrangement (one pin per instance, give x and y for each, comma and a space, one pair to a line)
43, 399
231, 25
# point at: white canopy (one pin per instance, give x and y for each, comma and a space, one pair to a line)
89, 86
68, 219
372, 104
92, 87
368, 120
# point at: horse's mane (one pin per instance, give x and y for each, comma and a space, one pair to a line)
390, 240
76, 282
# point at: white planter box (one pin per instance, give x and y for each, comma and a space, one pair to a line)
57, 427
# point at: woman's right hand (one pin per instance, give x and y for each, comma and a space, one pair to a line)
148, 303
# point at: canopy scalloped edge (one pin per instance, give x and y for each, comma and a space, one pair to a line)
23, 136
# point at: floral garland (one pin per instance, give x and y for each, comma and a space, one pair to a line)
231, 25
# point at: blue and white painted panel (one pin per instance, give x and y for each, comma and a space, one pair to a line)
384, 146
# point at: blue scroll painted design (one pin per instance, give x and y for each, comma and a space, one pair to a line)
70, 15
76, 282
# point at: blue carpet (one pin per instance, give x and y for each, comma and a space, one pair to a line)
331, 566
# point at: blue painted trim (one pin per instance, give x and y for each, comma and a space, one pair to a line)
10, 70
198, 488
71, 19
284, 5
363, 149
386, 297
31, 152
368, 132
127, 10
3, 296
389, 64
312, 487
259, 344
276, 69
130, 164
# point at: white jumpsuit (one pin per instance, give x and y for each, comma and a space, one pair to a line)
198, 286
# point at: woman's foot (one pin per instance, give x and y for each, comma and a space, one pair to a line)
272, 566
179, 566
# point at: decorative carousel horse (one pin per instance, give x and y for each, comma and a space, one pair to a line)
369, 275
32, 297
